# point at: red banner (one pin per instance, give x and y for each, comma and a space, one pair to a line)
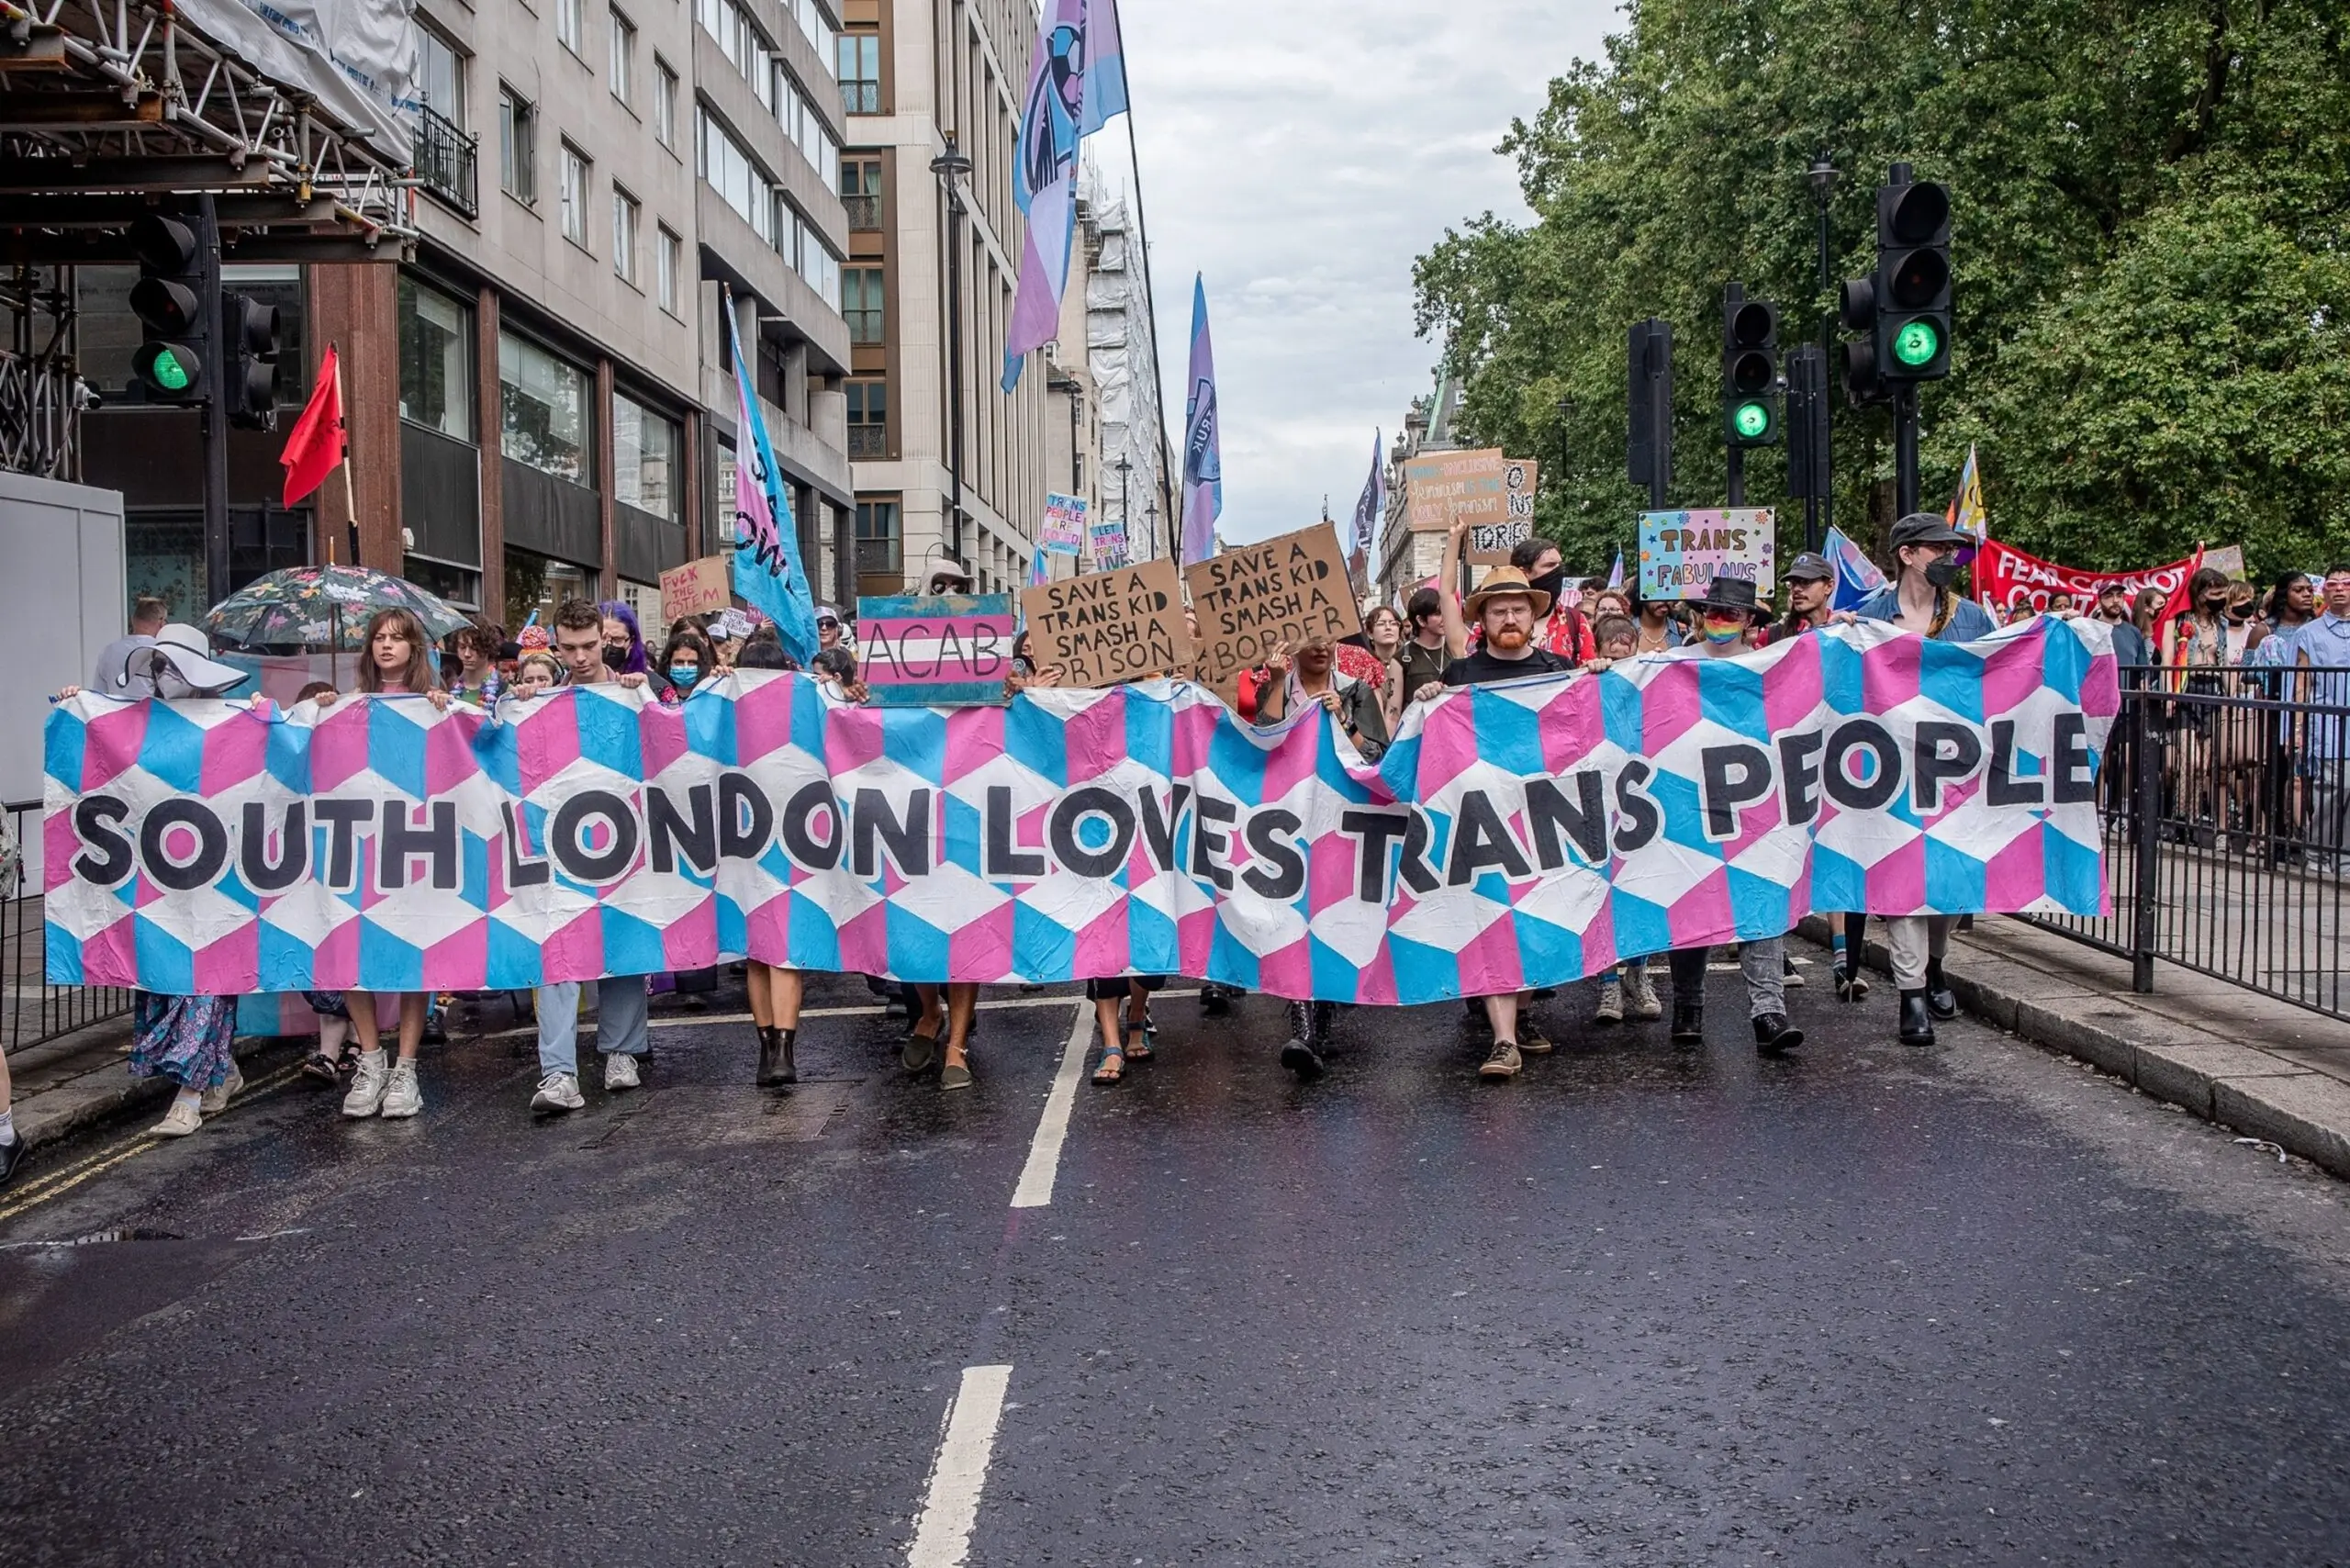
2004, 575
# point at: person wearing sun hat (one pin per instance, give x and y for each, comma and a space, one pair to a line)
1726, 617
1508, 610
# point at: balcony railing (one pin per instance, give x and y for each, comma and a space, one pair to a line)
868, 443
864, 211
445, 161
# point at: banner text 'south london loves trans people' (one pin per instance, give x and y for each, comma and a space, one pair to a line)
1522, 834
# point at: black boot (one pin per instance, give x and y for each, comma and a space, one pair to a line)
1941, 1001
771, 1053
1688, 1021
1917, 1019
787, 1042
1215, 1001
1772, 1034
1299, 1055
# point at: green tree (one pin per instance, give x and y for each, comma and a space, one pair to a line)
2149, 220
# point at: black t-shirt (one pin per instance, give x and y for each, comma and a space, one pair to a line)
1421, 665
1482, 668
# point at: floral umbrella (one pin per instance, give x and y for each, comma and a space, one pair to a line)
323, 607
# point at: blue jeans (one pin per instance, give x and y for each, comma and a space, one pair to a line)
620, 1021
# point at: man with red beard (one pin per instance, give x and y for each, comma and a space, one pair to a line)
1507, 609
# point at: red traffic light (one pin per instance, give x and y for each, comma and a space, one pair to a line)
162, 244
1919, 279
167, 308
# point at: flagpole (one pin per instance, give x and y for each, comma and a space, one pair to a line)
1150, 310
350, 501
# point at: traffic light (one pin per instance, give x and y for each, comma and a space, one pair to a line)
250, 327
1913, 279
1751, 402
176, 277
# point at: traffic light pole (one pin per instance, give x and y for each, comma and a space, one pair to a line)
1904, 451
1737, 476
214, 416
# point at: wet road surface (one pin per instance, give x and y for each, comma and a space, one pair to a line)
1866, 1305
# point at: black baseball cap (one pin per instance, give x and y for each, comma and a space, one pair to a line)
1811, 566
1927, 528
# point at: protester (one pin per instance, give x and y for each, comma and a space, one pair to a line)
2245, 629
1923, 598
584, 647
2321, 655
396, 661
1310, 673
1507, 609
828, 627
1421, 657
1610, 601
111, 675
1121, 1014
688, 659
2146, 613
1811, 598
776, 990
478, 679
1383, 632
624, 644
1657, 631
1563, 631
1727, 613
2290, 605
2113, 609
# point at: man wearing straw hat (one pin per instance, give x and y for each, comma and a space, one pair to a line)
1508, 610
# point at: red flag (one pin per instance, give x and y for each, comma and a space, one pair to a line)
316, 445
2179, 602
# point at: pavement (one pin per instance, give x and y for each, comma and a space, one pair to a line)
1867, 1304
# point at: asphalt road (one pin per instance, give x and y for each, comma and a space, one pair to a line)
1866, 1305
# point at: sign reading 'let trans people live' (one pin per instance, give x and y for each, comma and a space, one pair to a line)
1522, 834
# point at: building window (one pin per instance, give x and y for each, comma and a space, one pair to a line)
862, 304
668, 258
624, 217
664, 104
571, 26
861, 191
644, 459
741, 183
436, 360
877, 536
544, 400
575, 194
869, 419
623, 59
536, 582
440, 76
518, 172
859, 55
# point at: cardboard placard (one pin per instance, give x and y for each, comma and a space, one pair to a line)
1286, 589
953, 650
697, 587
1490, 540
1107, 628
1441, 487
1682, 552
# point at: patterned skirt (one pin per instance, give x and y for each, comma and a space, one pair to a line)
184, 1038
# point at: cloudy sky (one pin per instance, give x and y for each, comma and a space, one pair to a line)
1300, 153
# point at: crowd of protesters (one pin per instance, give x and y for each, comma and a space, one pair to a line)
1525, 619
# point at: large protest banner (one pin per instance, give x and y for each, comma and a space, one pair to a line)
2005, 576
1527, 833
1253, 598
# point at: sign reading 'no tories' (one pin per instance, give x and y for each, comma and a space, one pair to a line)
1109, 627
1252, 599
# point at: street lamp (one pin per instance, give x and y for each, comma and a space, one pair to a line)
953, 168
1125, 467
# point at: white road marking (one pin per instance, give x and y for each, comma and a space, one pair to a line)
950, 1504
1036, 1189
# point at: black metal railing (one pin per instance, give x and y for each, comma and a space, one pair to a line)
864, 211
2226, 814
32, 1010
446, 156
868, 443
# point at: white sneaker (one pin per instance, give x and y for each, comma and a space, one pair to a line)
402, 1097
182, 1119
1639, 995
620, 1071
367, 1086
1611, 1002
558, 1091
216, 1100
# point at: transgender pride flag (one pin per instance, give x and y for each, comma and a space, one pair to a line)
1077, 82
1202, 450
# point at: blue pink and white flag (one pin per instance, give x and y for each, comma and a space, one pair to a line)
1202, 450
1968, 513
1527, 833
766, 570
1856, 576
1615, 572
1061, 109
1373, 500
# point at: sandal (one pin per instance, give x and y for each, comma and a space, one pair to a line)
1143, 1052
322, 1069
1108, 1073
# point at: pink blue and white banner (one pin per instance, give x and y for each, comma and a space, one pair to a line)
1521, 834
1203, 442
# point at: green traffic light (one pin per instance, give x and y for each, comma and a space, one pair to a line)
1917, 343
1751, 420
170, 374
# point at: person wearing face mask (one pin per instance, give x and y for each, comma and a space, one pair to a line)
1923, 598
686, 663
